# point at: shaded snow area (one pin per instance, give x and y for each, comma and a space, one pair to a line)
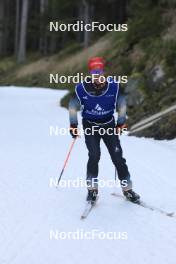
36, 216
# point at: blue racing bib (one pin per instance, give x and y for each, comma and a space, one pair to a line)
98, 107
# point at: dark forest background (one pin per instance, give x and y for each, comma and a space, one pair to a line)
24, 23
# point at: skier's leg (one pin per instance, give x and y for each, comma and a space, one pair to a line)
113, 144
93, 145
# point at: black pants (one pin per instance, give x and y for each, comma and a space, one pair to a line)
112, 143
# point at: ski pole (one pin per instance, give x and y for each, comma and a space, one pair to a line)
115, 175
66, 160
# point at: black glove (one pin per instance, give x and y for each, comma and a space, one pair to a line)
74, 130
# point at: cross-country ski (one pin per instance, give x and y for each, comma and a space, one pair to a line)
88, 208
145, 205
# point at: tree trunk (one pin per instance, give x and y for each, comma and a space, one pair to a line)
23, 32
79, 35
1, 27
43, 38
86, 18
17, 26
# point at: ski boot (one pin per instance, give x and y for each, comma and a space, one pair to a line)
132, 196
92, 196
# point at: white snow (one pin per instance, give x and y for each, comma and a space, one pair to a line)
30, 208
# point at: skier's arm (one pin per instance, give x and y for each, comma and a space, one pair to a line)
74, 107
121, 109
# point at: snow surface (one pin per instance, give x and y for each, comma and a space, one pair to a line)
30, 208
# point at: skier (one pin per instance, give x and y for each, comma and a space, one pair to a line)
98, 97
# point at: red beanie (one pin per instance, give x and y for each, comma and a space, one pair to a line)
96, 65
